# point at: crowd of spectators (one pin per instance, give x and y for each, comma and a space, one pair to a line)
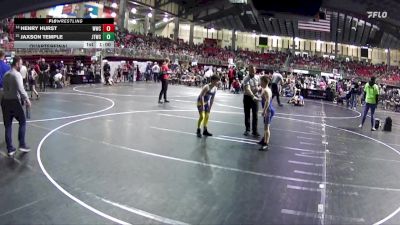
351, 69
157, 45
6, 33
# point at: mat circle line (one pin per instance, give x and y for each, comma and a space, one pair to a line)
127, 95
76, 115
100, 213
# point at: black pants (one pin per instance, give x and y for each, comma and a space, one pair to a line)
275, 92
155, 77
230, 83
164, 88
42, 81
12, 108
250, 104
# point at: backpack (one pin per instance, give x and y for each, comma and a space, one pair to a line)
388, 124
377, 123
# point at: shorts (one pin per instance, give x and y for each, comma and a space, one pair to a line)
268, 117
205, 108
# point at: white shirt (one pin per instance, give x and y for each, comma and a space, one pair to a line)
156, 69
254, 83
24, 72
276, 78
58, 77
208, 74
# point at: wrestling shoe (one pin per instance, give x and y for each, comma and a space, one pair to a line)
206, 133
198, 133
264, 147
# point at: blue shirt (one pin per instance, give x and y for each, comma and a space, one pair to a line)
3, 69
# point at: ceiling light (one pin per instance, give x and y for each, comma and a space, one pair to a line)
133, 10
165, 19
113, 14
149, 15
134, 21
386, 50
212, 29
114, 5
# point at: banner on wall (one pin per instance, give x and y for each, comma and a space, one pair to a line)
91, 11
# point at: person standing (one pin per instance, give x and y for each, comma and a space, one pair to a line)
251, 85
371, 95
268, 112
148, 71
231, 76
164, 81
106, 72
32, 75
3, 69
156, 72
138, 75
204, 104
52, 72
276, 80
353, 95
43, 75
11, 104
24, 74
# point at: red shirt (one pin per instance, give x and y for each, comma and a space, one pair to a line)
235, 84
37, 68
164, 70
231, 74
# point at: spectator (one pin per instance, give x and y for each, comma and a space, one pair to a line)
14, 96
156, 72
3, 69
236, 86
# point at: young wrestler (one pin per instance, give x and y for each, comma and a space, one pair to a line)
204, 104
268, 111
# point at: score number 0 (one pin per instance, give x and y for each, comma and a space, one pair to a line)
108, 27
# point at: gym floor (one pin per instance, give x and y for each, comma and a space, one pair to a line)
112, 155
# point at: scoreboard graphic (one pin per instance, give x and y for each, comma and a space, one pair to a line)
96, 33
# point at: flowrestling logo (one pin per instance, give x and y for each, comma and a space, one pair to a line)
376, 14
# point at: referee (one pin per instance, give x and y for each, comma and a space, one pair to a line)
251, 100
276, 80
13, 97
